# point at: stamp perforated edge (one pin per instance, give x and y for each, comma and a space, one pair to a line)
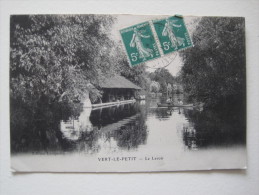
162, 54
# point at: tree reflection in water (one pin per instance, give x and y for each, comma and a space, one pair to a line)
205, 128
124, 123
36, 128
66, 127
209, 128
190, 137
59, 128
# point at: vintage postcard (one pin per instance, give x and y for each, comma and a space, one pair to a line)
127, 93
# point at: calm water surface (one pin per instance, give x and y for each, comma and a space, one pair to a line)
136, 129
127, 127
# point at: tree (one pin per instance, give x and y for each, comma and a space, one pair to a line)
154, 87
214, 69
56, 56
169, 89
163, 77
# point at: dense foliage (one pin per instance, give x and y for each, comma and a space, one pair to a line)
63, 57
154, 87
214, 69
164, 78
58, 56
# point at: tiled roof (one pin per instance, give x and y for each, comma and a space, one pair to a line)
118, 82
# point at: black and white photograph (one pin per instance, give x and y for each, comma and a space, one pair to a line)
76, 104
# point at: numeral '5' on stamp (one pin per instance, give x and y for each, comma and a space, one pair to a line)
139, 43
172, 34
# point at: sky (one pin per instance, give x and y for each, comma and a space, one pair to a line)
173, 61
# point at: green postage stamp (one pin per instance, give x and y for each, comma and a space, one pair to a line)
140, 44
172, 34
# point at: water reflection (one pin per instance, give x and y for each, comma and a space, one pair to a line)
125, 124
69, 128
72, 129
210, 128
190, 137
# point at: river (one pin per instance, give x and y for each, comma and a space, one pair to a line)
124, 138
